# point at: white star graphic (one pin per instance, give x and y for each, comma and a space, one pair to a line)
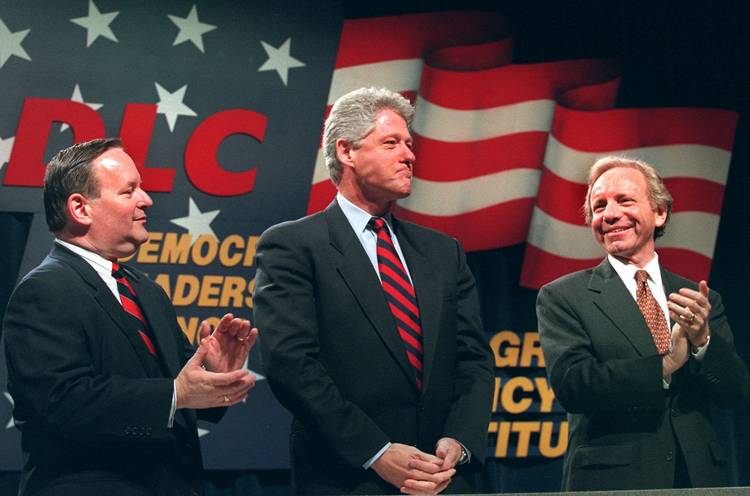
78, 97
11, 423
6, 145
202, 432
197, 223
279, 60
170, 104
191, 29
10, 43
96, 24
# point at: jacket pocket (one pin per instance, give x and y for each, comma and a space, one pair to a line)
590, 456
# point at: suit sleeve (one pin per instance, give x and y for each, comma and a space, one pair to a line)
285, 314
473, 384
52, 375
584, 383
722, 375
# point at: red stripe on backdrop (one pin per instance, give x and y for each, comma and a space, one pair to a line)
365, 41
541, 267
442, 161
560, 198
623, 129
563, 199
687, 263
516, 83
321, 194
695, 195
500, 225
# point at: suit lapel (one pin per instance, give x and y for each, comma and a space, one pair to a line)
364, 284
104, 297
156, 318
614, 300
428, 295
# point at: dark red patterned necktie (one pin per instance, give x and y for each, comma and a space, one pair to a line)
129, 302
400, 295
652, 312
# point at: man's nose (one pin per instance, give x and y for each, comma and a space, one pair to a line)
611, 211
409, 156
146, 201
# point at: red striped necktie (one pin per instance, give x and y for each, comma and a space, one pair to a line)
400, 296
129, 302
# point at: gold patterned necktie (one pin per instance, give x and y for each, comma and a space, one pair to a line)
652, 312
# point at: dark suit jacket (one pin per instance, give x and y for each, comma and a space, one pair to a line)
93, 420
625, 429
333, 357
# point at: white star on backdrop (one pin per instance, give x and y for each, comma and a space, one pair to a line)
96, 24
191, 29
6, 145
170, 104
78, 97
10, 43
202, 432
197, 223
11, 423
279, 60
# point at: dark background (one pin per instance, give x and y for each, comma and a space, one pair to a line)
671, 54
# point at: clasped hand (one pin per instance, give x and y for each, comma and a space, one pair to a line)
215, 375
415, 472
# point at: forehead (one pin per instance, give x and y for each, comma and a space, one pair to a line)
388, 121
115, 165
619, 180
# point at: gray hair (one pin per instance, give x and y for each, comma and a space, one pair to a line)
352, 118
658, 194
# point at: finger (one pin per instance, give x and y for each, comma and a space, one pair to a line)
684, 301
427, 457
703, 288
224, 322
228, 378
198, 357
412, 486
696, 296
427, 467
204, 331
251, 338
437, 477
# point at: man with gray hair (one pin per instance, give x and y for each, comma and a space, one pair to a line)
637, 392
371, 329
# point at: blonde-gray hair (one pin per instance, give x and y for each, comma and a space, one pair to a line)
352, 118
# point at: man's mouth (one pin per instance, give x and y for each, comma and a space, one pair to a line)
615, 230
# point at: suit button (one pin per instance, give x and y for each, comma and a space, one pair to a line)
670, 456
675, 412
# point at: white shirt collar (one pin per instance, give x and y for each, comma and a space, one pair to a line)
627, 271
98, 262
357, 217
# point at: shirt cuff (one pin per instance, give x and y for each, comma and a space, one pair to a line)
699, 353
372, 460
173, 408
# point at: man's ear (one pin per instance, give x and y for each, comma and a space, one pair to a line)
344, 151
79, 209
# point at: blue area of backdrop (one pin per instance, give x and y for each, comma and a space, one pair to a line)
221, 103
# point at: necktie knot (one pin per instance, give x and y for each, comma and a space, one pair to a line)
377, 224
641, 277
117, 272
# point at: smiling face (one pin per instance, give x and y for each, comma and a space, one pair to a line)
623, 217
379, 170
117, 217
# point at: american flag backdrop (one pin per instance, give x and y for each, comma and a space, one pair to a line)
221, 105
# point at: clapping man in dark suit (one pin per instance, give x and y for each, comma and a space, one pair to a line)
637, 389
371, 329
105, 384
